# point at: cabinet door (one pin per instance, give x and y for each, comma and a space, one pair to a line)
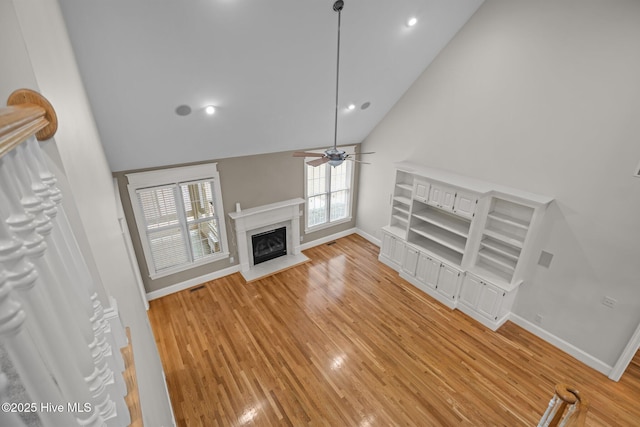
397, 252
421, 191
448, 281
442, 197
470, 291
387, 245
410, 261
448, 198
465, 204
489, 301
435, 195
428, 270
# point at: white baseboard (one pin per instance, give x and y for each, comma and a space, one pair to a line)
369, 237
568, 348
192, 282
326, 239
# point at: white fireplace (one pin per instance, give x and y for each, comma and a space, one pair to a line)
249, 222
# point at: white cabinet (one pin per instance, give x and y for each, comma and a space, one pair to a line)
392, 251
489, 301
460, 202
465, 204
441, 197
438, 279
428, 270
485, 301
421, 190
410, 261
470, 291
448, 281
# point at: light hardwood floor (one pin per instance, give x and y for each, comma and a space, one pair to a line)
343, 341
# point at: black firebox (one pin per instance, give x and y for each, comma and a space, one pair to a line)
269, 245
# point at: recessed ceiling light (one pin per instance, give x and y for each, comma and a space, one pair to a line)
351, 107
365, 105
210, 109
412, 21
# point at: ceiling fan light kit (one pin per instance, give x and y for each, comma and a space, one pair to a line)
333, 156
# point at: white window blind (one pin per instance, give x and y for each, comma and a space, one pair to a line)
164, 232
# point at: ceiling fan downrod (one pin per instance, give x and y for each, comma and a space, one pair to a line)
337, 6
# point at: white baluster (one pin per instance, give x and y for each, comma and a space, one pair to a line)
23, 353
7, 418
54, 305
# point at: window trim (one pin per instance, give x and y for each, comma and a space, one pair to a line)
169, 177
350, 149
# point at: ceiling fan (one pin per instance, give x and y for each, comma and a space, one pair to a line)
333, 156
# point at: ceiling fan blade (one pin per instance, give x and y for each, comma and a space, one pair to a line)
359, 161
357, 154
306, 154
318, 162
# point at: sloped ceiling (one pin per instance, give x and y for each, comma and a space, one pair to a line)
268, 66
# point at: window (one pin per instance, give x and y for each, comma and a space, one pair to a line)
328, 194
178, 216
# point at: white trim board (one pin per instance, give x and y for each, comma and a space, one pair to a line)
369, 237
192, 282
568, 348
327, 239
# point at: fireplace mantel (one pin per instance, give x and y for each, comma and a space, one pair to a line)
262, 218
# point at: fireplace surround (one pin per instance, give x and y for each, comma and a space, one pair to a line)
266, 218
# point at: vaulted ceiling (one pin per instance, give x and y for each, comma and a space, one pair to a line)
268, 66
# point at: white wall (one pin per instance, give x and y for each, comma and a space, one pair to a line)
36, 53
543, 96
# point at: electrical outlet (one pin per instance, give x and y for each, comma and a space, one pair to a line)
301, 239
231, 260
538, 319
609, 302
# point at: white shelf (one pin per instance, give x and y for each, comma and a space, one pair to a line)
439, 251
404, 186
493, 274
505, 250
498, 260
444, 221
506, 237
403, 200
401, 218
402, 210
443, 237
497, 216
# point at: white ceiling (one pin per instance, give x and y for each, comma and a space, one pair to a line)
268, 66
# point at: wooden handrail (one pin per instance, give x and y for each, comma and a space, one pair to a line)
27, 113
568, 396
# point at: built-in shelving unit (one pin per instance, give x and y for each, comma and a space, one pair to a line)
503, 238
467, 243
